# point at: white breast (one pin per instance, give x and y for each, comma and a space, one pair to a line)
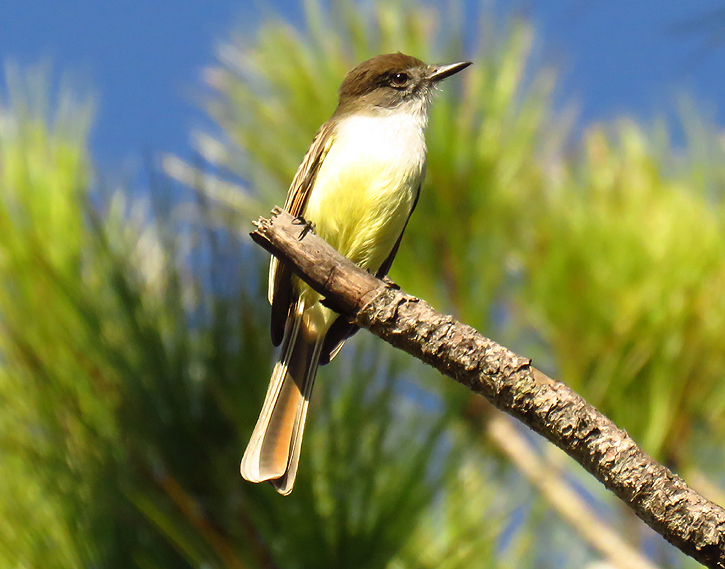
395, 138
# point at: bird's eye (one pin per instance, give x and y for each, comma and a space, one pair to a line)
399, 80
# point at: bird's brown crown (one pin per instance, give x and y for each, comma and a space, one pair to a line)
375, 73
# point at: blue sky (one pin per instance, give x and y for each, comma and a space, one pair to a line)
143, 59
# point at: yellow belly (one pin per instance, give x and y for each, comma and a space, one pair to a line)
361, 214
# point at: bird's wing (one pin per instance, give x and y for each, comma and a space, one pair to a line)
280, 283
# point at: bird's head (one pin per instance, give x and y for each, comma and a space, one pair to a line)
390, 81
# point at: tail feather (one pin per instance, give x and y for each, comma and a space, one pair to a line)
284, 483
273, 451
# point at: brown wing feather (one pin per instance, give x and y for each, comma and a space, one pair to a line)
280, 277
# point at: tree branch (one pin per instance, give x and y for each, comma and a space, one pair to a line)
562, 497
663, 500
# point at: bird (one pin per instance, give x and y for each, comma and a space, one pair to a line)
357, 186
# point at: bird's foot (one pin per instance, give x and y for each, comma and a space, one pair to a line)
308, 226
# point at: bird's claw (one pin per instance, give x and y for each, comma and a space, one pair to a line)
308, 226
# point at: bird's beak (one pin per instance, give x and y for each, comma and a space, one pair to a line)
438, 72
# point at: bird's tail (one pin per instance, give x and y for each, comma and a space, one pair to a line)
273, 452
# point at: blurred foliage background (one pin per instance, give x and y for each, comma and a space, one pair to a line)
134, 351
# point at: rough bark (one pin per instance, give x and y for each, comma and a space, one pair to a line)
663, 500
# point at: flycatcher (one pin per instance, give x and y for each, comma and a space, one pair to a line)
357, 184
